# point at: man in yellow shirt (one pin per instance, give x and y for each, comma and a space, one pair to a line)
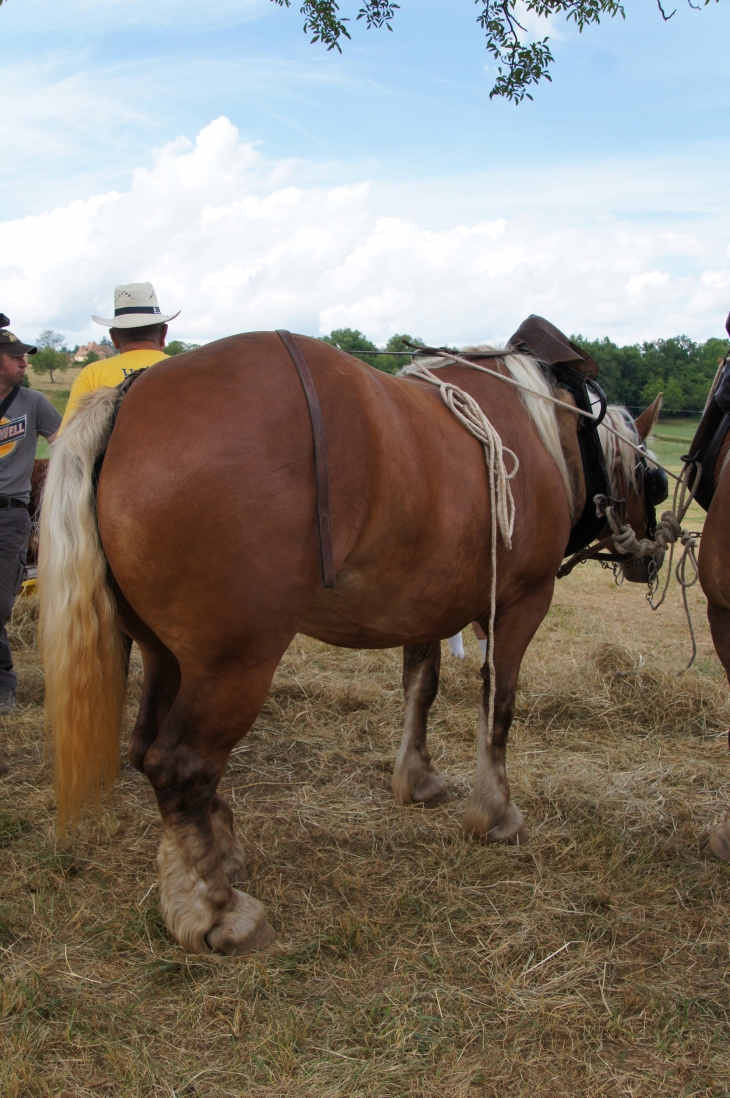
138, 331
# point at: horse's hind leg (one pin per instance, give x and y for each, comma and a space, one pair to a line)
415, 779
161, 686
228, 845
212, 711
489, 812
718, 841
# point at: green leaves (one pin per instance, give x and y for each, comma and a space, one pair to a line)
353, 341
521, 63
323, 22
680, 368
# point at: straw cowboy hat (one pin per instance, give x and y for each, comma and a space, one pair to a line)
135, 306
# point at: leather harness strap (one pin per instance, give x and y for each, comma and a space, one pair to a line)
320, 456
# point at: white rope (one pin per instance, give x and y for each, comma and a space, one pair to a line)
501, 501
543, 396
668, 531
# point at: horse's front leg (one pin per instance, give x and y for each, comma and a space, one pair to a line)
489, 812
415, 779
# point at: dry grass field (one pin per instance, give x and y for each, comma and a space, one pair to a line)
409, 961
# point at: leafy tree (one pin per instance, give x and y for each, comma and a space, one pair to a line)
391, 363
678, 367
49, 340
178, 347
52, 357
91, 357
351, 340
50, 362
355, 343
520, 65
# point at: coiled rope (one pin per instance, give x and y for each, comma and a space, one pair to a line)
440, 353
669, 530
501, 501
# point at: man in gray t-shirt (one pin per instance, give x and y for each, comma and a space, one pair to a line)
24, 415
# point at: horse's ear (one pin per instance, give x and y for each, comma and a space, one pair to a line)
646, 422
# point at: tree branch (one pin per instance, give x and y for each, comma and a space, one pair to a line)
666, 17
520, 63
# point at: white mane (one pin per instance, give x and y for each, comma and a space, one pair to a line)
524, 369
620, 457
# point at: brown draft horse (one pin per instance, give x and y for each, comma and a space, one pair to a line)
714, 562
207, 476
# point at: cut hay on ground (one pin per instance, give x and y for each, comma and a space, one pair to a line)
410, 961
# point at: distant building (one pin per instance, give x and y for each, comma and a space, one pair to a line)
103, 350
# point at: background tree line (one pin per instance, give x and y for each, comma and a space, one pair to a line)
632, 375
54, 357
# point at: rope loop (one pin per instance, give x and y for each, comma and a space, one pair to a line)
501, 501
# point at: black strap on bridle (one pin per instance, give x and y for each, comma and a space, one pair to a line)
320, 456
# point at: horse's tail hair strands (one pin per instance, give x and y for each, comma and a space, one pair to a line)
80, 631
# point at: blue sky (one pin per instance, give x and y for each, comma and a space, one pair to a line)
610, 189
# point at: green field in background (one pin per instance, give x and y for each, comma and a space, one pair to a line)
59, 401
672, 439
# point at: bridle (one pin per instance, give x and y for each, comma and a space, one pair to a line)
653, 484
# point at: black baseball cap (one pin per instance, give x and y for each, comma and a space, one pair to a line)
11, 345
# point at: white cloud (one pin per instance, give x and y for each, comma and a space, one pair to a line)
649, 279
235, 242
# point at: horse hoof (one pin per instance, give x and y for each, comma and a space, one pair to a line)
718, 841
421, 786
243, 928
431, 792
509, 828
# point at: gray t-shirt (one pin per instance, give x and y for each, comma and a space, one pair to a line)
31, 414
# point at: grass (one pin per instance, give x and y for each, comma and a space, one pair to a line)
59, 400
410, 961
672, 438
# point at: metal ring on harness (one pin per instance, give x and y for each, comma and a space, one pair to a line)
591, 384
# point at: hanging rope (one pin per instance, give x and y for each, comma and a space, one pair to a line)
439, 353
501, 500
668, 532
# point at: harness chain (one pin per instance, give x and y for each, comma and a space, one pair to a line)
501, 501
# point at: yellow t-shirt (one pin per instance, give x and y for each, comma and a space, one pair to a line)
108, 372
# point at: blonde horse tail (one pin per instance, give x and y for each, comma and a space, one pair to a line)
80, 630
